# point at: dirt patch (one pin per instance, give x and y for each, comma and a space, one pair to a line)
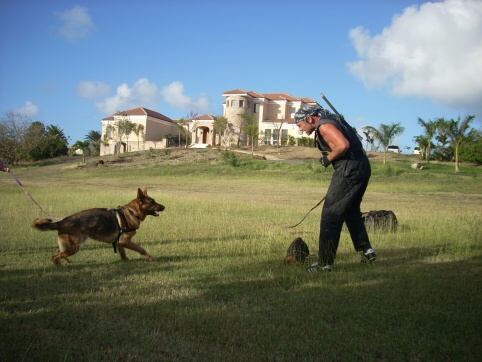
309, 153
176, 156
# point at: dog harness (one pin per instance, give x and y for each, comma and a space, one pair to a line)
121, 220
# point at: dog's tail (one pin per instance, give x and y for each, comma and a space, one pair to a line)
45, 224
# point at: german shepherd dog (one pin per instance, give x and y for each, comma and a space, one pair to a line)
115, 226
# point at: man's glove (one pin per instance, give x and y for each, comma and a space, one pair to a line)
324, 161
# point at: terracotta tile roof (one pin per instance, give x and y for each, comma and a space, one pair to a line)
269, 96
308, 100
255, 94
235, 91
280, 97
140, 111
206, 117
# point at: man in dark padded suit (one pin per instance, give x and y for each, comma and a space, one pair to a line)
341, 148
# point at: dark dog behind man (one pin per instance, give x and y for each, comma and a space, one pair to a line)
114, 226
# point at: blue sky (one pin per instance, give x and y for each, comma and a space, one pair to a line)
72, 63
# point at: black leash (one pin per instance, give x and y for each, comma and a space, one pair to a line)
314, 207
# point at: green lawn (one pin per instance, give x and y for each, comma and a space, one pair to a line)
218, 290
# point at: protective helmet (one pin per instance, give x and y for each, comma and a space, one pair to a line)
303, 112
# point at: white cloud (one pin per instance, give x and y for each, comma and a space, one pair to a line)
91, 90
76, 23
174, 95
29, 110
142, 94
433, 51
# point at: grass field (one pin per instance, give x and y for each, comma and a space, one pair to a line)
218, 290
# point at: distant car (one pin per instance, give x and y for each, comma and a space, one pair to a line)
416, 151
394, 149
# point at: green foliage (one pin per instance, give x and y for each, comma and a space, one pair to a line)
152, 153
19, 136
384, 134
385, 170
306, 142
55, 144
95, 137
251, 127
471, 149
230, 158
291, 140
84, 146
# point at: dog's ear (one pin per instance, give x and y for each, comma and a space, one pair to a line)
145, 191
140, 195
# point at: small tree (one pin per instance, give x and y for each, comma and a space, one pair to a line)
187, 124
221, 126
238, 122
19, 137
105, 142
180, 127
126, 127
251, 128
138, 130
116, 135
457, 133
83, 146
424, 144
385, 134
430, 130
94, 138
472, 150
278, 124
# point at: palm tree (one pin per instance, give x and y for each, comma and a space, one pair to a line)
94, 138
81, 145
424, 143
385, 135
180, 127
115, 134
456, 131
104, 142
55, 142
126, 127
138, 129
369, 139
430, 130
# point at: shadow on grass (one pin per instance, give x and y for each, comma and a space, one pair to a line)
404, 307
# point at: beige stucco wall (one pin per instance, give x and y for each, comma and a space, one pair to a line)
151, 137
268, 111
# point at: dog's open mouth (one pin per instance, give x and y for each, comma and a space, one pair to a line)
154, 212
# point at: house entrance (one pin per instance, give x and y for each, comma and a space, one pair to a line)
203, 134
120, 147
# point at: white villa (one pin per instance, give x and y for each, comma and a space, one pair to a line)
274, 113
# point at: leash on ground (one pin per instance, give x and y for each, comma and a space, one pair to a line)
314, 207
28, 194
